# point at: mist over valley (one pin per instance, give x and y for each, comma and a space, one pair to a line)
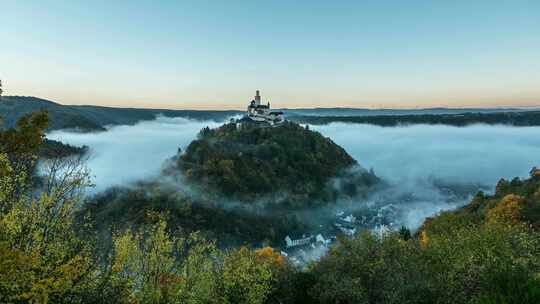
428, 168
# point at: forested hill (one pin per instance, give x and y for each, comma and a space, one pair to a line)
514, 201
95, 118
288, 160
524, 118
92, 118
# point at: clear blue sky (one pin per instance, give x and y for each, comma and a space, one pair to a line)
214, 54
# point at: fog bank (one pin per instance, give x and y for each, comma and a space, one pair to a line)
124, 154
430, 168
479, 154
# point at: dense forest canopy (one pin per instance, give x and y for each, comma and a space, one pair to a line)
521, 119
246, 186
251, 161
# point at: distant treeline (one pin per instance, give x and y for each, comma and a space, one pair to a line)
525, 118
52, 148
92, 118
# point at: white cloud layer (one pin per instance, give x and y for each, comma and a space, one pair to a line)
473, 154
409, 157
124, 154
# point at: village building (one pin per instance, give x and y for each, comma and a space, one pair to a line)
298, 242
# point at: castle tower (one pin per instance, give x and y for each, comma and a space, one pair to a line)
257, 98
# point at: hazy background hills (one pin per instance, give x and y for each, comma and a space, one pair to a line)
379, 112
95, 118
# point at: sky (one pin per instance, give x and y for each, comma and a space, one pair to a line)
215, 54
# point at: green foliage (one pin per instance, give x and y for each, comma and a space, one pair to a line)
125, 208
469, 262
18, 147
370, 270
253, 162
485, 252
514, 202
490, 263
54, 149
248, 278
36, 232
524, 118
143, 265
405, 233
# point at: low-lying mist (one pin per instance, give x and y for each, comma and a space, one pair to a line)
480, 154
440, 166
125, 154
430, 168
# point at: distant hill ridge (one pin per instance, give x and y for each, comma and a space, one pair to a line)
93, 118
517, 119
339, 111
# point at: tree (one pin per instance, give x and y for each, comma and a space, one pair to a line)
37, 234
507, 211
246, 278
143, 265
200, 270
405, 233
150, 266
368, 269
19, 148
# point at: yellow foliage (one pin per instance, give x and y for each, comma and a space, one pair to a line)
424, 239
143, 265
42, 258
507, 211
15, 274
268, 255
245, 278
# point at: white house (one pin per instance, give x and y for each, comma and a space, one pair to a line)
299, 242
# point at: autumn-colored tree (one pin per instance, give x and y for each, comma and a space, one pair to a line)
268, 255
507, 211
143, 265
37, 234
248, 277
478, 261
18, 154
150, 266
200, 271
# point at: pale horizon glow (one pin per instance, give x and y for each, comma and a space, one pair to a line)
214, 55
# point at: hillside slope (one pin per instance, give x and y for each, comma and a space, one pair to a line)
513, 202
92, 118
289, 161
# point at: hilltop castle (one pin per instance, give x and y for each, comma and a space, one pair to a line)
259, 112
